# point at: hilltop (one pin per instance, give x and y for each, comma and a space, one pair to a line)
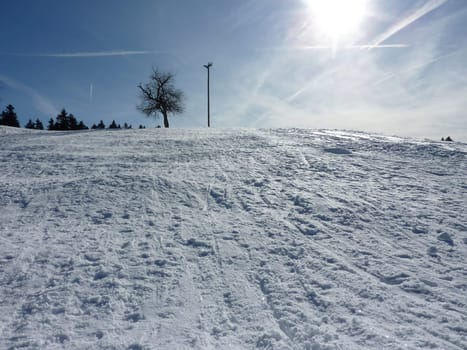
231, 239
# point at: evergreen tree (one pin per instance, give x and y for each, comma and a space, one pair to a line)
9, 117
35, 125
30, 125
51, 125
38, 125
72, 122
101, 125
94, 127
62, 121
125, 126
113, 125
82, 126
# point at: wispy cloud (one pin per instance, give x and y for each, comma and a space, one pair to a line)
88, 54
42, 103
330, 47
428, 7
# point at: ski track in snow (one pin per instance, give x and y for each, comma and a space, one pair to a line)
231, 239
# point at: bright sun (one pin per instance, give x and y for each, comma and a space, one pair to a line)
337, 19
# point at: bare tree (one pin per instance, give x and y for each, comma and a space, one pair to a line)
159, 95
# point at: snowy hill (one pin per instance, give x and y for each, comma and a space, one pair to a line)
231, 239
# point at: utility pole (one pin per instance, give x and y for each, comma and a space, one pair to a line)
207, 66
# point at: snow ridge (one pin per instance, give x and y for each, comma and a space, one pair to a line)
231, 239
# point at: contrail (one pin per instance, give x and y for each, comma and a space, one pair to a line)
91, 91
329, 47
429, 6
100, 54
89, 54
364, 46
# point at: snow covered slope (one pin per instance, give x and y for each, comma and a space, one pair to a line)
231, 239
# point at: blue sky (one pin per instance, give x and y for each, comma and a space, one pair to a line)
397, 66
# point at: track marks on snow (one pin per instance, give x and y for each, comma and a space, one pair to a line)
283, 239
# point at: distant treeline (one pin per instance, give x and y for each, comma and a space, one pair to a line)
63, 122
114, 125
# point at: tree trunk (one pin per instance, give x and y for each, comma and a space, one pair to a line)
166, 120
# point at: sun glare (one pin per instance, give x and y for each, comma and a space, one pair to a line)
337, 19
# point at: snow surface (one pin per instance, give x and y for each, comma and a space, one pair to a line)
231, 239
